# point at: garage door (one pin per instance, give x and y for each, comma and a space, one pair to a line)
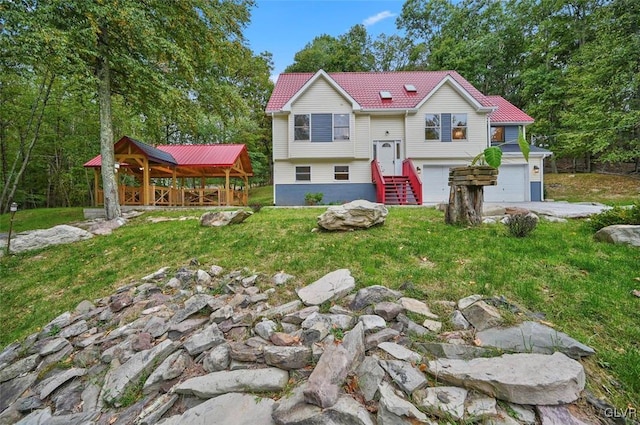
512, 185
435, 180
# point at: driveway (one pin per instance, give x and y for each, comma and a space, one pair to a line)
556, 209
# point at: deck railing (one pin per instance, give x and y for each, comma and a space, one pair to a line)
410, 171
378, 180
185, 197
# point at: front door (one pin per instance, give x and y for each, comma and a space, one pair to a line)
387, 152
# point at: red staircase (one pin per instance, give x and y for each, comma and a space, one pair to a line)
397, 190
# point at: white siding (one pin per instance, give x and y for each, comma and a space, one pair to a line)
321, 171
387, 128
280, 135
363, 138
446, 100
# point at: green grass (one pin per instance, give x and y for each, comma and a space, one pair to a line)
583, 286
611, 189
261, 195
40, 218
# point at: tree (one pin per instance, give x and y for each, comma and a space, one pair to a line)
151, 53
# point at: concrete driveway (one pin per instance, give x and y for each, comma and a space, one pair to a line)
556, 209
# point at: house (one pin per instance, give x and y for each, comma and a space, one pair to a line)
391, 137
176, 175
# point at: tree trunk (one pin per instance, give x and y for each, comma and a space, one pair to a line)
109, 181
465, 205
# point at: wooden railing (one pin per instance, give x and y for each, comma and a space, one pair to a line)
167, 196
378, 180
410, 171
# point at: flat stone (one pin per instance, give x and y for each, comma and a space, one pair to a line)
458, 320
142, 341
442, 401
249, 380
67, 399
479, 405
37, 417
170, 368
244, 353
370, 375
533, 337
117, 380
416, 306
454, 351
411, 326
89, 397
221, 314
388, 310
315, 333
74, 329
120, 302
224, 218
85, 307
525, 414
467, 301
9, 354
265, 328
281, 278
281, 310
209, 337
59, 322
336, 362
192, 306
395, 410
340, 321
372, 295
330, 287
406, 376
217, 359
74, 418
230, 409
294, 410
284, 339
49, 385
372, 323
287, 358
400, 352
203, 278
517, 378
299, 316
178, 330
41, 238
20, 367
53, 346
11, 390
482, 316
348, 411
375, 339
432, 325
557, 415
28, 404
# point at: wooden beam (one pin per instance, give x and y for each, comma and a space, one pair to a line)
145, 183
227, 186
96, 185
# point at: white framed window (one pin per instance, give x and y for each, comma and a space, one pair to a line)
341, 172
340, 126
301, 127
303, 173
458, 127
497, 135
432, 127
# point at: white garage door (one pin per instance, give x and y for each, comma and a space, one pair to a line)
512, 185
435, 180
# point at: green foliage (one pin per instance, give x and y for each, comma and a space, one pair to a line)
313, 198
616, 215
491, 156
522, 224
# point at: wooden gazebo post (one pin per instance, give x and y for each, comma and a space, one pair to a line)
227, 186
96, 185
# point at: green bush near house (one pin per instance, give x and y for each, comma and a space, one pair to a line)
616, 215
313, 198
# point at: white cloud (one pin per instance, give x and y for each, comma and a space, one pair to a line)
371, 20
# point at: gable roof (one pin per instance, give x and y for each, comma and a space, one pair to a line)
192, 156
507, 113
365, 87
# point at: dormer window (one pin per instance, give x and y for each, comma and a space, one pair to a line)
410, 88
385, 95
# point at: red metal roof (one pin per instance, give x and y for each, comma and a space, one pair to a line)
365, 87
199, 155
507, 112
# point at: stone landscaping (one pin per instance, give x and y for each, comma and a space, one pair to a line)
198, 346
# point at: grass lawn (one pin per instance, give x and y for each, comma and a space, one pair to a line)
591, 187
582, 286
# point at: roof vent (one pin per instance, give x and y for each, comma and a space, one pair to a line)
385, 95
410, 88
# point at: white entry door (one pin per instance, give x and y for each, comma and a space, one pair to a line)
387, 152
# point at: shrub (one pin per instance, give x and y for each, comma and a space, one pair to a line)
616, 215
313, 198
520, 225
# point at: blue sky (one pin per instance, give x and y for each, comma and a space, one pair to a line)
283, 27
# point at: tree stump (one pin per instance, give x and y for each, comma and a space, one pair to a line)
467, 192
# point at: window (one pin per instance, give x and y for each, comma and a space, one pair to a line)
497, 135
303, 174
301, 127
432, 127
321, 127
459, 126
341, 172
340, 126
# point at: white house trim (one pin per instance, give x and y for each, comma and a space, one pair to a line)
461, 91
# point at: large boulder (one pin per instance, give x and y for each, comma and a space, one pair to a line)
223, 218
620, 234
42, 238
359, 214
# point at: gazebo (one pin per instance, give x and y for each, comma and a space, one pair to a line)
160, 175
